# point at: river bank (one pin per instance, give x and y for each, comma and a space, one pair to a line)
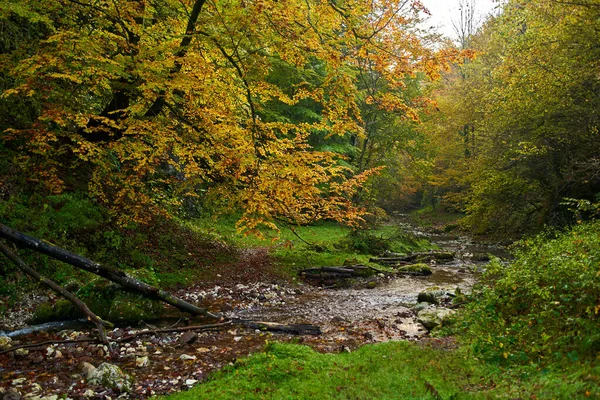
380, 308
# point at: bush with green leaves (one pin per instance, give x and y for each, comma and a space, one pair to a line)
545, 305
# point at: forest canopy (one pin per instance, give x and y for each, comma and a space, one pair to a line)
239, 104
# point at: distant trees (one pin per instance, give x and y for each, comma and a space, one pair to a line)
518, 130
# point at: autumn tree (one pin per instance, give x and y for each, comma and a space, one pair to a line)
152, 102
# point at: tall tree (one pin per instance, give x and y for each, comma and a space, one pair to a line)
153, 101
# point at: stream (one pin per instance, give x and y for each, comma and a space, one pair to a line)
372, 310
386, 311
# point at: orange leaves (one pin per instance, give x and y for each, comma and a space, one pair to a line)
216, 131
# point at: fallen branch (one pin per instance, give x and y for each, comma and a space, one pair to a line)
173, 330
438, 255
99, 322
296, 329
109, 273
48, 342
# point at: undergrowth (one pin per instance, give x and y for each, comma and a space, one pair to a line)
542, 308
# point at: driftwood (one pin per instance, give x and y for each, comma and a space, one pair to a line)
122, 339
296, 329
99, 322
107, 272
348, 271
438, 255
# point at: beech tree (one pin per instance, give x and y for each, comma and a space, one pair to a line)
150, 102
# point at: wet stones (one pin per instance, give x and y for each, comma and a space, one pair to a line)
110, 376
432, 317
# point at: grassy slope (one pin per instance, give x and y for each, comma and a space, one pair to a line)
393, 370
324, 244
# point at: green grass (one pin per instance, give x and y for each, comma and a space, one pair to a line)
393, 370
323, 244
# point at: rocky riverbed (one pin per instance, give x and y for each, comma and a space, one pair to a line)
382, 307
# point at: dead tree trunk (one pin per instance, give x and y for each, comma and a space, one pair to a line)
99, 322
107, 272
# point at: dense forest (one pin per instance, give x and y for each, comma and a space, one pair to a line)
186, 143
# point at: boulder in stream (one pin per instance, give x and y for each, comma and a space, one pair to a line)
110, 376
419, 269
433, 317
428, 297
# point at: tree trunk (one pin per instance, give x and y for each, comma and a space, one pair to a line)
109, 273
60, 290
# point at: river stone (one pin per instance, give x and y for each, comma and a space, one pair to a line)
110, 376
428, 297
5, 342
419, 269
420, 306
142, 362
21, 352
188, 338
86, 369
12, 394
432, 317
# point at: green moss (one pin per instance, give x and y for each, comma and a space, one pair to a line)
129, 307
62, 310
415, 269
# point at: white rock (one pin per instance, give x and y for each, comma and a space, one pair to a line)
185, 357
21, 352
142, 362
190, 382
110, 376
36, 388
19, 381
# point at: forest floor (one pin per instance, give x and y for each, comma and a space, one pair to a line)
366, 310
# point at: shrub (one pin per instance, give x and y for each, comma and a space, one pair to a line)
545, 305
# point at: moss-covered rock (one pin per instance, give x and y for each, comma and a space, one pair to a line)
428, 297
419, 269
133, 307
62, 310
110, 376
431, 318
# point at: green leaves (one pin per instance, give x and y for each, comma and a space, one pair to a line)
543, 302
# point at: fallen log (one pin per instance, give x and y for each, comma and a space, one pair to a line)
437, 255
110, 273
340, 272
296, 329
99, 322
123, 339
